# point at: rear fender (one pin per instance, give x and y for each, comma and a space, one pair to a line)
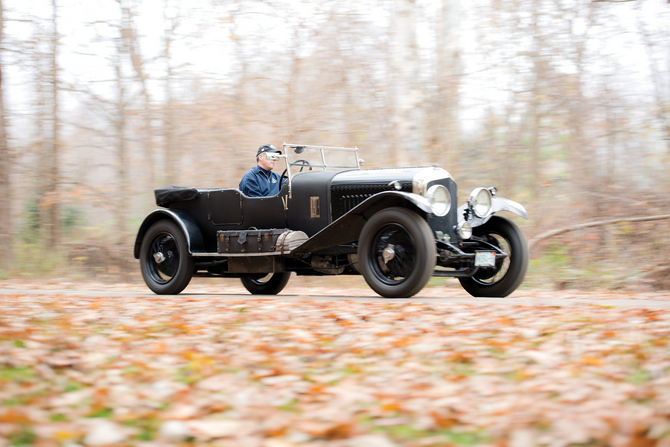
184, 221
347, 228
497, 204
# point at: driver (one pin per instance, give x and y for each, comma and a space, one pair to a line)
260, 180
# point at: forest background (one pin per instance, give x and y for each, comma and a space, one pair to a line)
564, 105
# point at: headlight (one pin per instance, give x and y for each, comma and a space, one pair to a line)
480, 201
464, 230
440, 200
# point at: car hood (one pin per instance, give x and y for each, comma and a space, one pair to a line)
415, 176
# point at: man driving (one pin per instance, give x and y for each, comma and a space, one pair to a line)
260, 181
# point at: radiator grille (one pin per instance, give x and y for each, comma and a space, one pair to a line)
446, 224
347, 197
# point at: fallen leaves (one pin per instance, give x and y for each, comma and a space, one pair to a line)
167, 371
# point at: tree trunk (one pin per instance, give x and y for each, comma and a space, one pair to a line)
6, 252
168, 119
121, 154
582, 156
408, 96
449, 73
50, 202
131, 45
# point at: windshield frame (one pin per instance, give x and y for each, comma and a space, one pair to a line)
297, 149
293, 150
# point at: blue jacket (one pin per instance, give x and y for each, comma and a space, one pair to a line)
258, 183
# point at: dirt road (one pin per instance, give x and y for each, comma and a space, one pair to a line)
99, 364
231, 289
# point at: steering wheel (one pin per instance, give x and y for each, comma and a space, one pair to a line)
302, 163
282, 177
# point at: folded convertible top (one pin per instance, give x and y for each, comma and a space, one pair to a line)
170, 194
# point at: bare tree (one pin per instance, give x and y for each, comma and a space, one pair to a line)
6, 252
132, 48
169, 119
50, 209
408, 92
659, 78
449, 73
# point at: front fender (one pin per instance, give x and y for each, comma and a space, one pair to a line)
348, 227
497, 204
186, 223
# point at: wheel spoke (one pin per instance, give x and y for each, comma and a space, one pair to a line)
395, 270
163, 259
493, 275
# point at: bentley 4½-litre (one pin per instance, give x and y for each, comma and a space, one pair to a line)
396, 227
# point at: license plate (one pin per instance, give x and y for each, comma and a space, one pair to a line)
485, 259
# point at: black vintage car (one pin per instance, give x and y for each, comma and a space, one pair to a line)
396, 227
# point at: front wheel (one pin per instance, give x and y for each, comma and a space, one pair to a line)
166, 265
508, 274
269, 285
396, 253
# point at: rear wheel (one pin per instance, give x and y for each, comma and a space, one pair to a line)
270, 284
396, 253
166, 265
508, 274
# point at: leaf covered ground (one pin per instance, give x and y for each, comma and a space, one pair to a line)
154, 371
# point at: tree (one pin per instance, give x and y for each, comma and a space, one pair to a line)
408, 92
449, 73
6, 252
132, 48
50, 209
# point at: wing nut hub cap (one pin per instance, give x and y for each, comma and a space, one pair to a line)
388, 253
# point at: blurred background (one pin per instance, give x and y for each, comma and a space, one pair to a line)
564, 105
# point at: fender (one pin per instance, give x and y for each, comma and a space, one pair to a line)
347, 228
184, 221
497, 204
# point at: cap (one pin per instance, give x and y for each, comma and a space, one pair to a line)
266, 148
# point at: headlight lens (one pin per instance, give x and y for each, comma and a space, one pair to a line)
480, 200
440, 200
464, 230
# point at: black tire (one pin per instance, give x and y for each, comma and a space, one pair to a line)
171, 275
413, 258
508, 274
271, 285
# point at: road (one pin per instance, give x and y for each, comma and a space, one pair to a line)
236, 292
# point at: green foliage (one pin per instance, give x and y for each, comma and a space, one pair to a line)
9, 374
34, 260
102, 413
449, 437
557, 269
24, 437
29, 232
58, 417
72, 219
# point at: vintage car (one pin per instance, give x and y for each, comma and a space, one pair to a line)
396, 227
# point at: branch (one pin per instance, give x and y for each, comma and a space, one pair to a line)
534, 241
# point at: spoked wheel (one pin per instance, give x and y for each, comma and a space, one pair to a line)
396, 253
166, 265
508, 273
270, 284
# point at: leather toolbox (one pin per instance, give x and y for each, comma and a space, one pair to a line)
248, 241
